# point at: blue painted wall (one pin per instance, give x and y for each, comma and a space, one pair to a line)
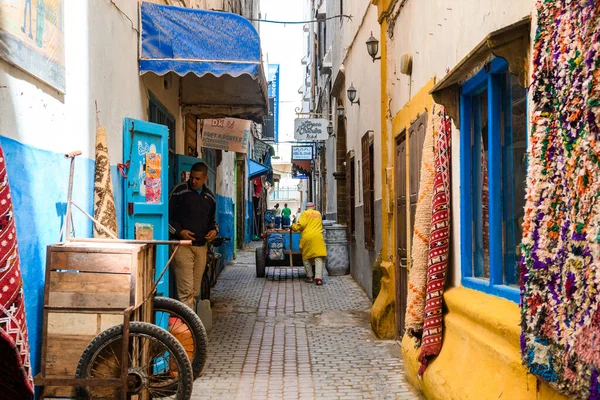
226, 218
39, 183
249, 221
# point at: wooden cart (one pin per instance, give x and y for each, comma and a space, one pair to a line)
90, 287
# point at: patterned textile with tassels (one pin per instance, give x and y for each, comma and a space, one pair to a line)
439, 245
15, 366
417, 275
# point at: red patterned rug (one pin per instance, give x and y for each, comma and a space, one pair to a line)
15, 367
439, 245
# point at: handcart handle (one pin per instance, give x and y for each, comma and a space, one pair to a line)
73, 154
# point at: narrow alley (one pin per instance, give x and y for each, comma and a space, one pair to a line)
282, 338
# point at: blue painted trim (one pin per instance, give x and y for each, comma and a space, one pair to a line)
466, 213
495, 178
479, 82
508, 180
483, 285
476, 185
470, 147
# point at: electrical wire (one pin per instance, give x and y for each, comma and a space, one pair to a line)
300, 22
125, 15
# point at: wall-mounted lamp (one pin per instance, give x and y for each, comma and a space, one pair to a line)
340, 111
352, 95
330, 129
373, 47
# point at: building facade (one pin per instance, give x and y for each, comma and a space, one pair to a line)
98, 83
428, 66
347, 186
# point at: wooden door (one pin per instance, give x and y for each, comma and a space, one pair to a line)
416, 134
401, 245
406, 192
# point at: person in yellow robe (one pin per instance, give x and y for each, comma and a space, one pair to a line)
312, 243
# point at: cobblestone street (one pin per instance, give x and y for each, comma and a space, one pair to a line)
282, 338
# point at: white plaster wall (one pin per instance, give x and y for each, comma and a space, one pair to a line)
331, 160
226, 174
438, 34
101, 62
365, 76
345, 29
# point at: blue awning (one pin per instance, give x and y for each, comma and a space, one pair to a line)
217, 54
256, 169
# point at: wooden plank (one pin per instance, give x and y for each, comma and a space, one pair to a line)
90, 262
79, 290
63, 353
88, 283
74, 323
84, 300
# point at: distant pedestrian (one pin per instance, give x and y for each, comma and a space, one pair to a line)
312, 244
285, 216
277, 216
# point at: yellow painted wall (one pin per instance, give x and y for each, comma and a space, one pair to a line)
480, 357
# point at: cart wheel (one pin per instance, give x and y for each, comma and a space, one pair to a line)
158, 365
260, 263
186, 326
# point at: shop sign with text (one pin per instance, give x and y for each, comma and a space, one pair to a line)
302, 153
310, 129
229, 134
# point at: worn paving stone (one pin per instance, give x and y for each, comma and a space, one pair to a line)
281, 338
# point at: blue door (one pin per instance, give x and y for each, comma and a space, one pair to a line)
145, 146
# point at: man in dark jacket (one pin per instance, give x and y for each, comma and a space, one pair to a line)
192, 209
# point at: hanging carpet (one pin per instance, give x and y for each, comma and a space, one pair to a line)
439, 243
15, 367
104, 200
560, 269
417, 275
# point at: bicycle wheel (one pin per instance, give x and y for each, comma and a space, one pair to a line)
186, 326
158, 367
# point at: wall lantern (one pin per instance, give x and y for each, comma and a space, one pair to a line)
352, 95
373, 47
340, 111
330, 129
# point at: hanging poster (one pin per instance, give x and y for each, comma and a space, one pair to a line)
153, 165
153, 190
32, 38
144, 231
229, 134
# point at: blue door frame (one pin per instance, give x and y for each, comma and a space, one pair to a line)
146, 197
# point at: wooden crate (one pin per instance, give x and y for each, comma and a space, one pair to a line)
88, 286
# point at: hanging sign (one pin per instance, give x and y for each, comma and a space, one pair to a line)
302, 153
33, 39
229, 134
310, 129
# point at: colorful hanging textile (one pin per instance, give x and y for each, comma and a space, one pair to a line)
104, 200
560, 270
15, 367
439, 244
417, 275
